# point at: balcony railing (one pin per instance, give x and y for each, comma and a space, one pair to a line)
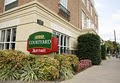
64, 12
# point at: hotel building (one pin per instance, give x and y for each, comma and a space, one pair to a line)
65, 18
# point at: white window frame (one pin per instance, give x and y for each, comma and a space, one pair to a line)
64, 3
88, 5
64, 47
88, 22
83, 1
5, 42
9, 1
95, 19
91, 10
84, 20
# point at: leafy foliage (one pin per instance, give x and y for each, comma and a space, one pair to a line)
15, 65
103, 52
48, 68
10, 64
68, 65
29, 69
89, 48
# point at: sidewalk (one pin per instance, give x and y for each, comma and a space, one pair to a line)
107, 72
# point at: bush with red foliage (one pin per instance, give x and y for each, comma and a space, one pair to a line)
85, 64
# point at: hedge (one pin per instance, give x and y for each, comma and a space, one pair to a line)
89, 48
103, 52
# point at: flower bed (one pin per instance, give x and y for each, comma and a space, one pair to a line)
85, 64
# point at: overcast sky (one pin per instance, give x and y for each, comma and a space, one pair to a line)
109, 18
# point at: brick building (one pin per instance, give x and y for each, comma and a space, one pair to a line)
65, 18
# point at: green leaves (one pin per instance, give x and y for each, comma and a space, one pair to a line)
15, 65
89, 48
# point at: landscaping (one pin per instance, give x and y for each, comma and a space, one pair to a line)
16, 65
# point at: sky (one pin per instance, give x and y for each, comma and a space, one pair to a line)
109, 18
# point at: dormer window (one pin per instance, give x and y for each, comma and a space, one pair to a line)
9, 4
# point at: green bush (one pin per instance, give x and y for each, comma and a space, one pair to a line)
89, 48
10, 64
15, 65
48, 68
103, 52
68, 65
29, 70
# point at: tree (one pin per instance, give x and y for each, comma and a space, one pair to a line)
112, 47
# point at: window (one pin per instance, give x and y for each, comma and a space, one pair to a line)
63, 42
64, 3
88, 4
92, 25
9, 4
91, 10
95, 19
88, 22
7, 38
84, 20
83, 1
63, 11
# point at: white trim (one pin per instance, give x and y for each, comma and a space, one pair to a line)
60, 29
10, 23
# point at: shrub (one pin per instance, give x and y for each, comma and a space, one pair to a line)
10, 64
85, 64
89, 48
29, 70
68, 65
103, 52
48, 68
15, 65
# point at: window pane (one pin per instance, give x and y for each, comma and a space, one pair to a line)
64, 3
9, 1
2, 36
13, 38
13, 46
11, 5
7, 46
1, 46
8, 35
61, 50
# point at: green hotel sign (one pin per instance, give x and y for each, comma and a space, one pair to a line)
42, 43
40, 39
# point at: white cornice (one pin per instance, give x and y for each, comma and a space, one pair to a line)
37, 4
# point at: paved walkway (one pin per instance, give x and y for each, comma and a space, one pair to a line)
107, 72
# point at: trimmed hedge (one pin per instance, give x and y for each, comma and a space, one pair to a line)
89, 48
103, 52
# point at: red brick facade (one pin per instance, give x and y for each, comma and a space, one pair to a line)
1, 6
74, 6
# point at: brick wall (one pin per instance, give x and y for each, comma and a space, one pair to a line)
21, 2
51, 4
73, 7
1, 5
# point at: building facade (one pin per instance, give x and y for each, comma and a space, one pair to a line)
65, 18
